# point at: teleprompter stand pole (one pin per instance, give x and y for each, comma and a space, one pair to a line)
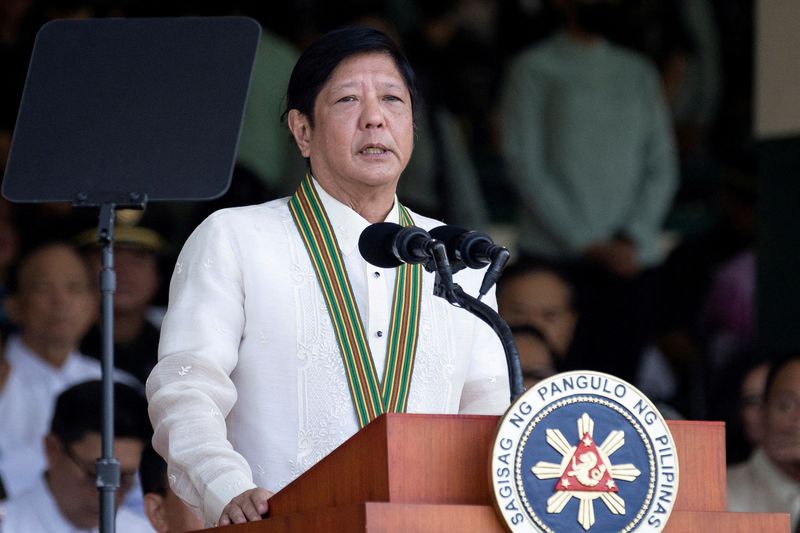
108, 474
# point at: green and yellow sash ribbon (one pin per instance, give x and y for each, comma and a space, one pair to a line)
370, 398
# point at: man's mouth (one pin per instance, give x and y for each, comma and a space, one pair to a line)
374, 149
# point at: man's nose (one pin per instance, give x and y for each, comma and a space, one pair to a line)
372, 114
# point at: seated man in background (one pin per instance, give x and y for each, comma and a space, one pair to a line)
536, 294
535, 355
770, 480
136, 256
65, 498
167, 513
52, 302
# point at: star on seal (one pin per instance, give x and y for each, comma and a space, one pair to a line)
586, 472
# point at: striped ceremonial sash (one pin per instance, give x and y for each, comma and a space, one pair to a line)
370, 398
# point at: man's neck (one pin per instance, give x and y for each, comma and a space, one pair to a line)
581, 36
373, 203
53, 353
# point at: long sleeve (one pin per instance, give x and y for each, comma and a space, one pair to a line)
190, 391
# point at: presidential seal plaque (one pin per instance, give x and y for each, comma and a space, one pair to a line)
584, 451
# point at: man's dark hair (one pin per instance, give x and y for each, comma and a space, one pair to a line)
318, 61
775, 369
527, 266
153, 472
79, 411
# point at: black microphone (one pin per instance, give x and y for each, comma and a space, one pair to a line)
473, 249
388, 245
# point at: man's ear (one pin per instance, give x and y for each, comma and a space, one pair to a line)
52, 448
300, 127
154, 509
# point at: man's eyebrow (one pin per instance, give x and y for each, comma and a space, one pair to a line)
351, 84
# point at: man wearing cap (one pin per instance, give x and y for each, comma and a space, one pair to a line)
136, 256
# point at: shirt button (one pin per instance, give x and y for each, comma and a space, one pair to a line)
379, 333
376, 274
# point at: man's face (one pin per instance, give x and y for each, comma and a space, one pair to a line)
72, 479
540, 299
782, 420
362, 135
55, 303
752, 403
534, 359
136, 269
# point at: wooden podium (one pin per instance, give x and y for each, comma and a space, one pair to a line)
430, 473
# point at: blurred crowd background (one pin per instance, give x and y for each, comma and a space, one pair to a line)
678, 321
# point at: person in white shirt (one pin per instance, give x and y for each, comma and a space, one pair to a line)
65, 499
280, 341
52, 302
769, 482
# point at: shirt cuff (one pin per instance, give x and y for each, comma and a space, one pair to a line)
221, 491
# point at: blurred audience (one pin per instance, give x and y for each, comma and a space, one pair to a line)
9, 252
535, 357
136, 264
590, 153
686, 332
587, 146
770, 480
65, 498
167, 513
264, 144
751, 400
536, 294
53, 304
729, 311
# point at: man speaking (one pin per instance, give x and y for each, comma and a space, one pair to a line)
280, 341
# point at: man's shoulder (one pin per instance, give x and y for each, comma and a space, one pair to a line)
267, 211
229, 224
632, 63
24, 511
537, 55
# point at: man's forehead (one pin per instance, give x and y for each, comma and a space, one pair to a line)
354, 70
788, 378
52, 261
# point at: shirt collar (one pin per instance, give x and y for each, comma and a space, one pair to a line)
781, 483
18, 354
346, 223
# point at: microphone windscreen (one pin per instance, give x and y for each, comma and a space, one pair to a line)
375, 244
450, 236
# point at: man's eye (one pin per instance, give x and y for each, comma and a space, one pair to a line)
347, 99
392, 98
